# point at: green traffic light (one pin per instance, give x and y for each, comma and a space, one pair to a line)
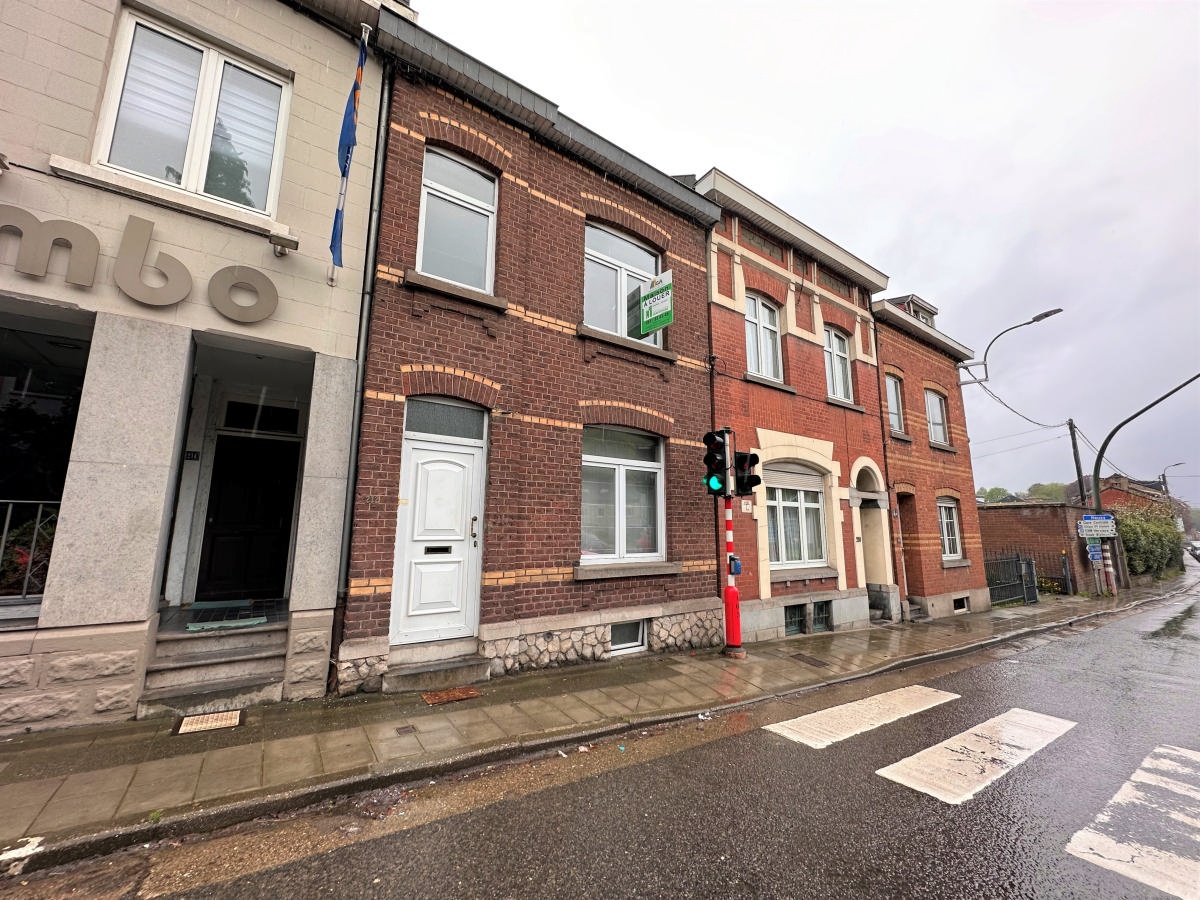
715, 482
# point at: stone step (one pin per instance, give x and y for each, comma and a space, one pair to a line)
174, 643
215, 696
436, 676
200, 669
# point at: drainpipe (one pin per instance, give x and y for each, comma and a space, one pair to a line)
364, 334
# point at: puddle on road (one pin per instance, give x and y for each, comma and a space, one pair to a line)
1176, 626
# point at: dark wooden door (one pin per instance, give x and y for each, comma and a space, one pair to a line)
248, 528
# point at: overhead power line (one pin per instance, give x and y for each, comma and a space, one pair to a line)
1020, 447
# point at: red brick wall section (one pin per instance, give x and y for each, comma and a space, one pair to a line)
528, 367
928, 470
1041, 530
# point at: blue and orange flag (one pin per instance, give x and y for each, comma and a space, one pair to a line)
346, 144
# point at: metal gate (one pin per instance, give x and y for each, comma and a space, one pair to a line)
1011, 579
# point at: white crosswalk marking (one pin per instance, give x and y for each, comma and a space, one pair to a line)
1150, 831
820, 729
957, 769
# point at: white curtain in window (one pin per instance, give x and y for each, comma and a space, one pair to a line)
158, 101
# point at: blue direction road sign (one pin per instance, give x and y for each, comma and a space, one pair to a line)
1097, 518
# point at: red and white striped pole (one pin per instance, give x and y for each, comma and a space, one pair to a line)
733, 611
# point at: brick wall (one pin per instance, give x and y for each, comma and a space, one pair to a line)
528, 365
921, 472
1045, 531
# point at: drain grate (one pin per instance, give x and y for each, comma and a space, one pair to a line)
811, 660
209, 721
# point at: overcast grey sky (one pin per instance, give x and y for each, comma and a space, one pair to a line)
996, 158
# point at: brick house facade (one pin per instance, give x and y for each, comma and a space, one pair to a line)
518, 494
795, 378
937, 542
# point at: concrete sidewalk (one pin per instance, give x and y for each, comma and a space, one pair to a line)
74, 793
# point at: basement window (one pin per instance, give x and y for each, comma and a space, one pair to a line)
821, 615
793, 619
627, 637
960, 604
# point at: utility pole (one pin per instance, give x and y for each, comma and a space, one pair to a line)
1078, 465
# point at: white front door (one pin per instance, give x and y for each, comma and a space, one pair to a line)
435, 589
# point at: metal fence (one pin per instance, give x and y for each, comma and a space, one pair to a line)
26, 542
1011, 578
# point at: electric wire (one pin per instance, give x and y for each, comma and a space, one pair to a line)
1005, 437
989, 392
1019, 447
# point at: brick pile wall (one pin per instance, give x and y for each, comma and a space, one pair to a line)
1041, 530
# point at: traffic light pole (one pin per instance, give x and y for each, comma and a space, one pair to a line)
733, 609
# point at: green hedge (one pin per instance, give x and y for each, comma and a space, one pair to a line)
1152, 542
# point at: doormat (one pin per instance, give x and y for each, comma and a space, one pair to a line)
209, 614
209, 721
451, 695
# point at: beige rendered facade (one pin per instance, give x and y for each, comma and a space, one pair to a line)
169, 180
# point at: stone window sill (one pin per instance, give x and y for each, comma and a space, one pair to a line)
595, 334
625, 570
449, 289
955, 563
769, 382
902, 436
803, 574
165, 195
945, 448
845, 404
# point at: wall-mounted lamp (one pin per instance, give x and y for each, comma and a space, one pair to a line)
283, 243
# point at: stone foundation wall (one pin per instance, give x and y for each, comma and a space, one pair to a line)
364, 674
55, 678
307, 665
689, 631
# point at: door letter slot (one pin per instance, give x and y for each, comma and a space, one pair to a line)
445, 548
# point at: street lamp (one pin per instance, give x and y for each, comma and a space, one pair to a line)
1163, 478
966, 366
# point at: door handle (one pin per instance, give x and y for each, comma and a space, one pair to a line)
474, 519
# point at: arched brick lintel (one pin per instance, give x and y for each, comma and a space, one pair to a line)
476, 145
611, 214
762, 283
472, 389
641, 419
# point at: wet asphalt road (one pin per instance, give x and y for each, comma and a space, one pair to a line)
756, 815
726, 809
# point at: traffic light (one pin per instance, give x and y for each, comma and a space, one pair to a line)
744, 479
716, 463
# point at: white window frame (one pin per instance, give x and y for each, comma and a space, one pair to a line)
616, 649
624, 270
429, 186
212, 66
779, 479
895, 402
837, 365
936, 414
949, 528
761, 359
621, 467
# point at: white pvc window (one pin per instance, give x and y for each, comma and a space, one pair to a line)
948, 524
837, 365
895, 404
795, 517
615, 269
627, 637
935, 412
458, 222
622, 510
762, 338
187, 114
